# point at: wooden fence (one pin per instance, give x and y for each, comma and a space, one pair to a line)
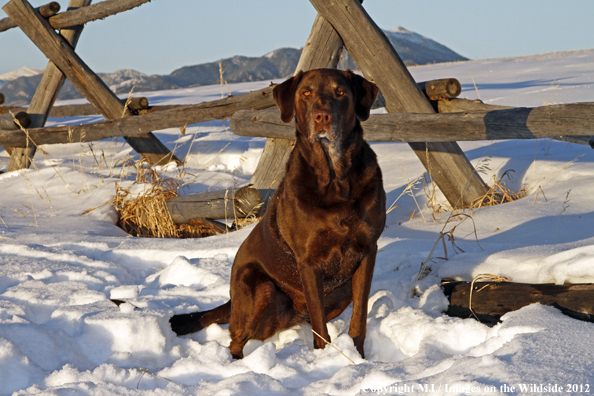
416, 112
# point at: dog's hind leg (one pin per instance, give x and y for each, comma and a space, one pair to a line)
192, 322
258, 314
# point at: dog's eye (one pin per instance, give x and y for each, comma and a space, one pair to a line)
306, 93
339, 92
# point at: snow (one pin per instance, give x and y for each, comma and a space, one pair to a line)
60, 333
22, 72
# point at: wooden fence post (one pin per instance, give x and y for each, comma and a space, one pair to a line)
82, 77
379, 62
322, 50
45, 96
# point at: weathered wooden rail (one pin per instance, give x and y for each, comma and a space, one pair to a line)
129, 126
513, 123
492, 300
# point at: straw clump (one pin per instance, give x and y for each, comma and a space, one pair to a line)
497, 194
143, 211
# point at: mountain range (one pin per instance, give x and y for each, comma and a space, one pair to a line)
19, 86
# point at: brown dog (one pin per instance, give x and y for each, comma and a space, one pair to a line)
314, 250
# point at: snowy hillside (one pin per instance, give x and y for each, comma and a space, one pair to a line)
60, 334
14, 74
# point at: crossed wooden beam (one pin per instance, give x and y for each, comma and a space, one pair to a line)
65, 63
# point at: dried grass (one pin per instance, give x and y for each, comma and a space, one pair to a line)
145, 214
498, 193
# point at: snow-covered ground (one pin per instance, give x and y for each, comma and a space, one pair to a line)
60, 334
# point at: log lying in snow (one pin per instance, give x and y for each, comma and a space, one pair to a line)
7, 121
492, 300
215, 205
515, 123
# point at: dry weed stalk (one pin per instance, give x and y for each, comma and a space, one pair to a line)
3, 222
565, 207
221, 71
483, 277
333, 346
498, 193
128, 101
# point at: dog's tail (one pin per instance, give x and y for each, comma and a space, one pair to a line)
192, 322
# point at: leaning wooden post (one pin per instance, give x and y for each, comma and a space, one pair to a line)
45, 96
322, 49
446, 163
82, 77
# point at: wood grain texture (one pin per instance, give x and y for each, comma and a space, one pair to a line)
7, 121
460, 105
379, 62
443, 88
492, 300
271, 166
514, 123
215, 205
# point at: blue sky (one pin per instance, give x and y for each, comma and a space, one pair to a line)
161, 36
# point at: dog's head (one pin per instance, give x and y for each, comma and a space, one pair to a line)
327, 104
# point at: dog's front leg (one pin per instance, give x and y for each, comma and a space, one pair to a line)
361, 288
313, 288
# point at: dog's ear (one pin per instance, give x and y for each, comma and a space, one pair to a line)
284, 96
365, 94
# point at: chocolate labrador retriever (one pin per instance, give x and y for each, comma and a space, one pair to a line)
313, 252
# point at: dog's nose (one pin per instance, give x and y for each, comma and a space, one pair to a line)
322, 117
